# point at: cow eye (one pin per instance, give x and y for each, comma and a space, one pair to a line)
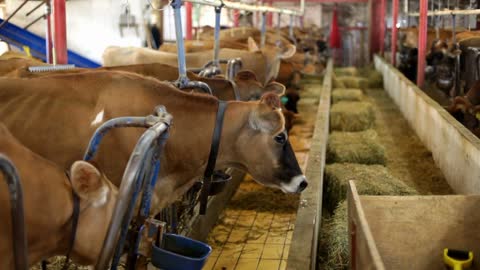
281, 138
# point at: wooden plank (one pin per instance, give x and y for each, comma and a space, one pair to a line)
411, 232
303, 249
364, 254
201, 226
455, 149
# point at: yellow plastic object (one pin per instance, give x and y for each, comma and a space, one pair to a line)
457, 264
26, 49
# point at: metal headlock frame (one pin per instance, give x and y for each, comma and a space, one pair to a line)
139, 177
12, 180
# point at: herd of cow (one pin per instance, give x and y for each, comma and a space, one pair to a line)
453, 66
48, 118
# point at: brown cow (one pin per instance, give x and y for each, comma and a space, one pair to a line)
466, 109
246, 83
202, 45
48, 207
60, 113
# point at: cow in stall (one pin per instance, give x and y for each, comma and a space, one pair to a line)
253, 137
48, 200
466, 109
265, 63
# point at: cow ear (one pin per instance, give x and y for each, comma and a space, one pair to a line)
87, 181
271, 99
268, 118
459, 104
246, 75
252, 45
289, 52
219, 76
275, 87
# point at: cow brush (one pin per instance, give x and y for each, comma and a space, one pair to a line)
38, 69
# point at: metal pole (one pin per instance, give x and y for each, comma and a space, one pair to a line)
48, 33
279, 18
382, 27
34, 22
270, 15
60, 32
422, 42
406, 12
188, 14
20, 247
394, 31
264, 29
182, 66
13, 13
236, 18
35, 8
216, 44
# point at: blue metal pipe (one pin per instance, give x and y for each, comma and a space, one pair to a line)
182, 66
264, 29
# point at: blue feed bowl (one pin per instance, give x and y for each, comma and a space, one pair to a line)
179, 252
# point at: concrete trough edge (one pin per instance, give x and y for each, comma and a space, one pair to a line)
303, 248
454, 148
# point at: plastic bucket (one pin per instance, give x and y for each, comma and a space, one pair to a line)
179, 252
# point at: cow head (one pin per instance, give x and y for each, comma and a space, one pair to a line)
264, 149
97, 200
273, 56
251, 89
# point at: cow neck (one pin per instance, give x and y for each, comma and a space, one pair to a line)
212, 158
74, 223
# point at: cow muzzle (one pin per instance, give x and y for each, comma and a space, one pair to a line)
296, 185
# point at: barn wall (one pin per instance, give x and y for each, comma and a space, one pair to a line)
455, 149
92, 25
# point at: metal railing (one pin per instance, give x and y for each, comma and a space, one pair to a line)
249, 7
139, 177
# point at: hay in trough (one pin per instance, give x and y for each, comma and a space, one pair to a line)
334, 239
351, 116
353, 82
346, 94
355, 147
346, 71
57, 262
375, 79
370, 180
264, 199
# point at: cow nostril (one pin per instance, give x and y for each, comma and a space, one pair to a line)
303, 185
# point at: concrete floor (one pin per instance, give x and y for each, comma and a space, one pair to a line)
260, 239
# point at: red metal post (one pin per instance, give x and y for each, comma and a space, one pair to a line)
394, 31
382, 26
188, 15
60, 32
270, 15
236, 17
422, 42
374, 24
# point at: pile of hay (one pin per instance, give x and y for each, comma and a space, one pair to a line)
337, 83
351, 116
355, 147
346, 94
346, 71
334, 239
353, 82
370, 180
56, 263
